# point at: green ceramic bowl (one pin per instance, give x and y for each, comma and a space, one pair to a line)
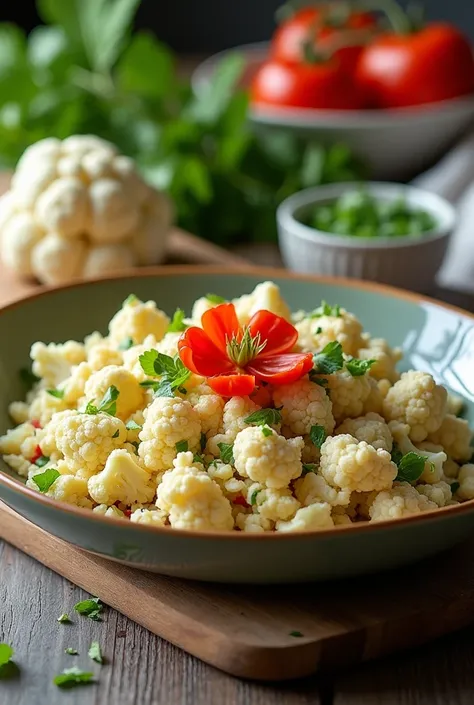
436, 338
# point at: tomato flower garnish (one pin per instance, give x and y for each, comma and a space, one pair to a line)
236, 358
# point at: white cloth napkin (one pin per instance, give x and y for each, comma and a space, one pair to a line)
453, 178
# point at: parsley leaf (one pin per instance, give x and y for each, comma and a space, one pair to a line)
396, 454
177, 324
42, 461
329, 360
264, 417
215, 299
410, 467
95, 653
181, 446
108, 404
58, 393
44, 480
203, 442
326, 310
116, 434
8, 668
64, 618
357, 367
308, 467
319, 330
28, 378
317, 435
125, 344
6, 652
454, 487
131, 299
227, 454
267, 431
296, 634
253, 497
71, 677
90, 608
171, 370
198, 459
133, 426
71, 651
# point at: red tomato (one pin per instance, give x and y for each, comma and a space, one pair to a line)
321, 85
432, 64
290, 37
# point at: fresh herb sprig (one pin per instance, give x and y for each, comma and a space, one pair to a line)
170, 370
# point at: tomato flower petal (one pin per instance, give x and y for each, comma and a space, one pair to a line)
199, 354
281, 369
221, 325
280, 336
232, 385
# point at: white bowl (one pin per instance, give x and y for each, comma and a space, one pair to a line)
408, 262
395, 144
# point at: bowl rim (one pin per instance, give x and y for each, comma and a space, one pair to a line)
439, 207
314, 117
264, 273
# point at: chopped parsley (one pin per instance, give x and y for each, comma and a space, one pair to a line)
177, 324
215, 299
116, 434
203, 442
357, 367
90, 608
64, 618
95, 653
317, 435
264, 417
329, 360
410, 467
319, 330
181, 446
6, 653
296, 634
326, 310
454, 487
131, 299
108, 404
44, 480
125, 344
58, 393
8, 669
71, 651
227, 452
266, 431
198, 459
308, 467
28, 378
42, 461
133, 426
71, 677
253, 497
173, 374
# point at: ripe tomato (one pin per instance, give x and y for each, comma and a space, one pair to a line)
289, 39
320, 85
432, 64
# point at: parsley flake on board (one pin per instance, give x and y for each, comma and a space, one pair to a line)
181, 446
329, 360
8, 668
264, 417
70, 651
71, 677
173, 374
215, 299
296, 634
57, 393
177, 324
90, 608
357, 367
95, 652
227, 452
108, 404
6, 653
64, 618
125, 344
44, 480
317, 435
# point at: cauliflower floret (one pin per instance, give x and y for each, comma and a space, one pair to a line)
169, 344
455, 404
253, 523
265, 297
341, 518
12, 441
55, 260
370, 428
137, 320
44, 406
53, 362
356, 465
466, 482
168, 420
314, 333
451, 469
455, 436
192, 500
386, 359
378, 391
19, 464
131, 395
313, 518
101, 355
313, 488
209, 406
18, 237
87, 440
236, 410
271, 503
220, 472
74, 386
200, 307
18, 412
131, 357
112, 512
305, 404
347, 394
417, 400
151, 517
271, 460
400, 501
439, 493
122, 480
435, 457
69, 489
47, 437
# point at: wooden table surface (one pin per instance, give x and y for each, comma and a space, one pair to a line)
142, 669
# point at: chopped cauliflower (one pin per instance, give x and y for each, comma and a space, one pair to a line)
305, 404
439, 493
314, 488
71, 490
253, 523
150, 517
102, 355
315, 517
113, 511
11, 442
265, 297
209, 406
136, 320
74, 386
455, 404
385, 358
455, 436
400, 501
122, 480
418, 401
169, 344
347, 394
316, 332
435, 458
168, 421
356, 465
53, 362
236, 410
466, 482
45, 405
192, 500
370, 428
273, 504
131, 357
19, 464
271, 460
131, 395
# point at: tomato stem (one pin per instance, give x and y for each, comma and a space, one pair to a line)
399, 19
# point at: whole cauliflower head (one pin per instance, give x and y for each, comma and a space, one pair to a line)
370, 428
136, 320
78, 209
400, 501
347, 463
131, 395
418, 401
314, 333
192, 499
121, 480
168, 421
266, 457
455, 436
305, 404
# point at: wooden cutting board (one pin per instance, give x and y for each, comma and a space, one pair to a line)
247, 631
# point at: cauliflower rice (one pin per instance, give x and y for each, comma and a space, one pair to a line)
104, 427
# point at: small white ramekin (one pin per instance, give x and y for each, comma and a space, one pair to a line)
407, 262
